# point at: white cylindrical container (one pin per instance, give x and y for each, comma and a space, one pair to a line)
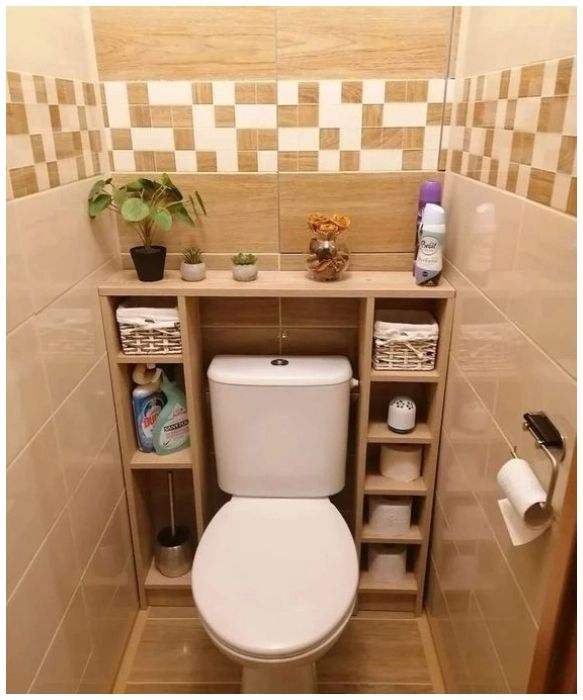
401, 462
387, 562
390, 515
192, 272
401, 416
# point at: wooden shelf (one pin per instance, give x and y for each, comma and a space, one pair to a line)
151, 460
400, 285
379, 485
379, 432
413, 536
378, 375
155, 580
122, 359
368, 584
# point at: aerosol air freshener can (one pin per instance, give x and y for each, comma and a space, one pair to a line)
429, 261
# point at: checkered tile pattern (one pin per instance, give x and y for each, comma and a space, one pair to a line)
268, 126
54, 132
516, 129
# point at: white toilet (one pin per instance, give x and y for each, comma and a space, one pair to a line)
275, 574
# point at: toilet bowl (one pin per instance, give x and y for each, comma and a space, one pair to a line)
275, 573
275, 581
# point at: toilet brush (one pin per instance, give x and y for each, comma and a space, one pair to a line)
173, 552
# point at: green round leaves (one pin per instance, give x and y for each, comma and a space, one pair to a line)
135, 209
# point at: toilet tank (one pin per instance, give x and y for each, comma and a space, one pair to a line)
280, 424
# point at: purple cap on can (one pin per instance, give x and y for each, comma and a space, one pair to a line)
430, 191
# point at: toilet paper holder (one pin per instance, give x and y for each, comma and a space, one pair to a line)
548, 438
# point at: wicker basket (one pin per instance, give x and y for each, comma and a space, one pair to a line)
405, 340
149, 330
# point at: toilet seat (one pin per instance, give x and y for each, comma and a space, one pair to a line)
275, 577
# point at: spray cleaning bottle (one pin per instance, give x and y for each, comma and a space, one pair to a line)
429, 262
147, 402
170, 432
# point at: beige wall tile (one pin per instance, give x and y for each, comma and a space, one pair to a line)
242, 215
394, 42
544, 283
71, 335
382, 208
83, 422
188, 43
58, 254
35, 497
92, 503
63, 667
27, 391
18, 295
38, 604
70, 51
109, 589
483, 225
521, 35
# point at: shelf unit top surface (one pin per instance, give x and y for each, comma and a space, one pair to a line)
276, 283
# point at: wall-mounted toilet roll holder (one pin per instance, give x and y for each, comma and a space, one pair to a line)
548, 438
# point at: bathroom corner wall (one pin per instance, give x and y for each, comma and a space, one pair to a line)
70, 578
272, 113
510, 192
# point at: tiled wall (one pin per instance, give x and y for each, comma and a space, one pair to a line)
287, 95
71, 596
512, 258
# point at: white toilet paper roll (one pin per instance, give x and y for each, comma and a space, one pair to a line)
387, 562
524, 492
390, 515
401, 462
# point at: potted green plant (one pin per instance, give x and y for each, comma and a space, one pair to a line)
192, 268
148, 206
244, 267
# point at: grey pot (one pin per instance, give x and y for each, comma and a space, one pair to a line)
192, 273
245, 273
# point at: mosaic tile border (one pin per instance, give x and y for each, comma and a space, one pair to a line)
516, 129
275, 126
53, 132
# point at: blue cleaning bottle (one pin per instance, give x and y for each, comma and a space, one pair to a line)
147, 402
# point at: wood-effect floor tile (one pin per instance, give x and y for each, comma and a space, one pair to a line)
181, 688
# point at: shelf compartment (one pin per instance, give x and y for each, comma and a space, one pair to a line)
368, 584
156, 581
378, 432
123, 359
150, 460
397, 376
371, 535
379, 485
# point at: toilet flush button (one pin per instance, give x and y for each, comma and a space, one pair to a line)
280, 362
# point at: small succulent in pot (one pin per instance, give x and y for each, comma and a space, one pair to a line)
327, 257
148, 206
244, 267
192, 268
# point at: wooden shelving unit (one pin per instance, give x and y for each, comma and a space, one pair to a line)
195, 465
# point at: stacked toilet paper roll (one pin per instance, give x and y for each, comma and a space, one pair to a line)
390, 515
401, 462
387, 562
523, 509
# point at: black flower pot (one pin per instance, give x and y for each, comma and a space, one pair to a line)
149, 262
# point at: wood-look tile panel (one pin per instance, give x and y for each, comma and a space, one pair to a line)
358, 261
239, 341
376, 651
177, 43
184, 688
321, 341
242, 215
365, 688
363, 42
382, 208
320, 313
213, 261
239, 312
180, 651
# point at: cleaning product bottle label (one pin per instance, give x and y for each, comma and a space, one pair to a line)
146, 412
174, 431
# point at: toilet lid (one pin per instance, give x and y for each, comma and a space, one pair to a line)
275, 576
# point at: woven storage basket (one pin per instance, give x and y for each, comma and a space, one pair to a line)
405, 340
149, 330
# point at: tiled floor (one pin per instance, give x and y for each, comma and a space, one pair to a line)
171, 653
